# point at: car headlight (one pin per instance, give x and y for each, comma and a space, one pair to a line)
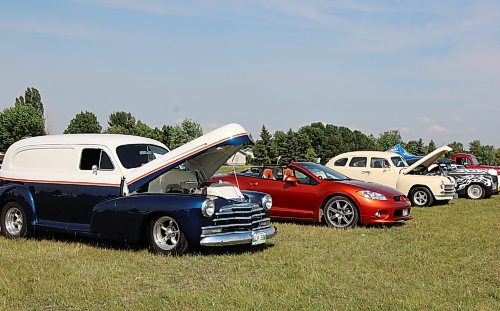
208, 208
372, 195
267, 201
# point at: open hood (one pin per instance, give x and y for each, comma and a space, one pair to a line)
204, 155
428, 159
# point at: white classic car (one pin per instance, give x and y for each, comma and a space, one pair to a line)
390, 169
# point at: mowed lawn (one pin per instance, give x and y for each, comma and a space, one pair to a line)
446, 258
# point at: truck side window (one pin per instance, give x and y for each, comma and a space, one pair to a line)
340, 162
379, 163
94, 156
358, 162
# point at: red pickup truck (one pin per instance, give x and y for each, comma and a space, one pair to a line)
470, 162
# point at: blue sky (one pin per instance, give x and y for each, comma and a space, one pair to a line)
428, 68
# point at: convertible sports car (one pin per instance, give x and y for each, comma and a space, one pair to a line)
313, 192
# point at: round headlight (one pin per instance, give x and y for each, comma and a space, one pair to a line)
208, 208
267, 201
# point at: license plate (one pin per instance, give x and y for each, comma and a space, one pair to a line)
258, 238
405, 212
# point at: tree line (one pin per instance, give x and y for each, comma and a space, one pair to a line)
309, 143
26, 118
319, 141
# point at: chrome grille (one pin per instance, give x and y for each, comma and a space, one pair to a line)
238, 217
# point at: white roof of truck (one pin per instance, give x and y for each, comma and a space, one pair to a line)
110, 140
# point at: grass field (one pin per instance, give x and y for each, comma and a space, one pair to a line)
447, 257
225, 169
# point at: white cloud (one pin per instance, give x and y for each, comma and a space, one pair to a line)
424, 119
437, 129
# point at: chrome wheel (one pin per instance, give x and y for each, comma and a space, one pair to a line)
166, 233
14, 221
475, 192
340, 213
420, 197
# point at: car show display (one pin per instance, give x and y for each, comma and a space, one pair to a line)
471, 183
391, 169
312, 192
131, 188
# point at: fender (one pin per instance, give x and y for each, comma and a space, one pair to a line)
254, 196
22, 195
127, 217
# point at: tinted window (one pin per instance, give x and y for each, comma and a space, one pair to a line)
97, 157
340, 162
358, 162
136, 155
379, 163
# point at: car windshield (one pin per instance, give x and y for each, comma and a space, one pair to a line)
475, 162
135, 155
399, 162
323, 172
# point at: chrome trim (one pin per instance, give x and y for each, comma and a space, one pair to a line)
234, 238
236, 225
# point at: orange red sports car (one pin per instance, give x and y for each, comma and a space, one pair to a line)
312, 192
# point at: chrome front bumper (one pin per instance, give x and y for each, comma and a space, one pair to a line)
235, 238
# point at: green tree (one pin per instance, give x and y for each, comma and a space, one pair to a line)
430, 147
24, 119
83, 122
183, 133
263, 149
18, 122
388, 139
32, 98
310, 155
485, 154
457, 147
497, 156
121, 122
280, 146
416, 147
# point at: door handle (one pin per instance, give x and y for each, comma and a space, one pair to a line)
254, 184
365, 172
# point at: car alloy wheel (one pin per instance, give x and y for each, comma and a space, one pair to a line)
13, 220
421, 196
165, 237
166, 233
475, 192
341, 213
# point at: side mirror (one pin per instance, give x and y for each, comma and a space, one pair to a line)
94, 169
291, 180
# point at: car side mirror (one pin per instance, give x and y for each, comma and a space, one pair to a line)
291, 180
94, 169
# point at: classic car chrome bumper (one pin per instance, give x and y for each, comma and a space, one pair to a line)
235, 238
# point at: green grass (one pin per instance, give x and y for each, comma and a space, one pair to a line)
229, 169
446, 258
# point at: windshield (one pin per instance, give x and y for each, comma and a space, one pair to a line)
475, 162
132, 156
399, 162
323, 172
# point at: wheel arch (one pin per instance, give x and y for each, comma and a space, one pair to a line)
21, 195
